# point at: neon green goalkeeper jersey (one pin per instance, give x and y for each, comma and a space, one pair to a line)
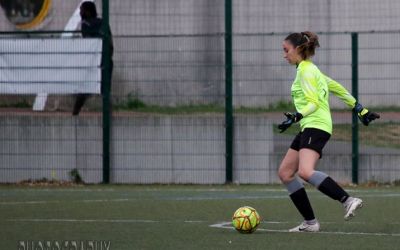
310, 94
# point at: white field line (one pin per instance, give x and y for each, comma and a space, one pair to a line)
55, 190
102, 221
222, 225
227, 225
135, 199
183, 190
62, 201
185, 198
84, 220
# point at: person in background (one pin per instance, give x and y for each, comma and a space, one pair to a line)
91, 26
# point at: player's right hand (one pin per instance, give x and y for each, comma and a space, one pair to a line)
291, 118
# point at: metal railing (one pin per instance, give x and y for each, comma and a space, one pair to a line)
202, 108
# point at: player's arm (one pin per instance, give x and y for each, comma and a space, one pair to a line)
364, 115
341, 92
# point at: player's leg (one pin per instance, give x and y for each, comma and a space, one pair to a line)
329, 187
297, 193
299, 196
79, 101
312, 144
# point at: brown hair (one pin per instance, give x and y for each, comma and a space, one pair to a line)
306, 42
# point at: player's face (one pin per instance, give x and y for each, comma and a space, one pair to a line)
290, 53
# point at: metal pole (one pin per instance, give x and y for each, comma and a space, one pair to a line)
354, 90
228, 91
106, 78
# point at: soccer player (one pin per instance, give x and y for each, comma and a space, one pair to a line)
91, 27
310, 92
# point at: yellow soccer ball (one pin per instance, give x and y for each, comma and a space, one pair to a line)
246, 219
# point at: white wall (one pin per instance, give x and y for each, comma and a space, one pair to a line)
144, 149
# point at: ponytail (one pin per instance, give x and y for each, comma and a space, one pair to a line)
306, 43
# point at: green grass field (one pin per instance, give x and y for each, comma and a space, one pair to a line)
192, 217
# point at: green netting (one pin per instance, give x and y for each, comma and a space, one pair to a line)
169, 59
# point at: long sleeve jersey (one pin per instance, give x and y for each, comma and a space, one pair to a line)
310, 94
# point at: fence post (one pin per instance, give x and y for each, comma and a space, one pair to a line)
228, 92
106, 88
354, 90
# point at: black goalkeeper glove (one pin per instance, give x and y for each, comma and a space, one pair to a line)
364, 115
291, 118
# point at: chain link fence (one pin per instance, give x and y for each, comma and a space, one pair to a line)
168, 92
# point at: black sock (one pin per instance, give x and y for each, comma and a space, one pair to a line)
330, 188
300, 200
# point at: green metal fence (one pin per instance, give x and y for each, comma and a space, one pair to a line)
198, 101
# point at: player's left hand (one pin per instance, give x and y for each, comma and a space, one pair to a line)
364, 115
291, 118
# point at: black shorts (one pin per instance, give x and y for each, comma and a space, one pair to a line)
311, 138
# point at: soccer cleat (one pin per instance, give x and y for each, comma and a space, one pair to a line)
351, 206
304, 227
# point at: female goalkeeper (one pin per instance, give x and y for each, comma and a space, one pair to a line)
310, 92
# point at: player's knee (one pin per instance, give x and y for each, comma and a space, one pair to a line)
285, 175
305, 174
